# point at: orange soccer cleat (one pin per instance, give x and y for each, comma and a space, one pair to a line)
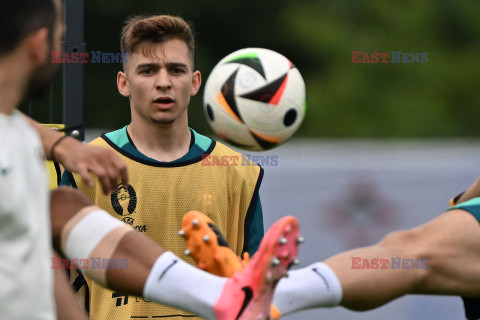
277, 252
207, 246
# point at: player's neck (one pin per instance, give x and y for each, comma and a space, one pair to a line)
162, 143
12, 84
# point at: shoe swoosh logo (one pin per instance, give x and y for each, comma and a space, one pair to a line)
248, 297
321, 276
220, 238
166, 269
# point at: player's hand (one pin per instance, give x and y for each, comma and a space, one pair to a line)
84, 159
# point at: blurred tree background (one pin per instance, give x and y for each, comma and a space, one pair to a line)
435, 99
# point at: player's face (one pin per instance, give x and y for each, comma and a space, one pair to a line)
44, 74
160, 84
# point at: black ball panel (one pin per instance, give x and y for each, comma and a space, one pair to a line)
290, 117
210, 113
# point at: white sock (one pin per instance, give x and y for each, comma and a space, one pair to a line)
311, 287
176, 283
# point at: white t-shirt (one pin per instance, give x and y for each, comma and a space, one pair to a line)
26, 277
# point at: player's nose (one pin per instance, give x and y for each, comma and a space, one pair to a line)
163, 81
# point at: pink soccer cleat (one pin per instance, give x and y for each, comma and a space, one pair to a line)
248, 295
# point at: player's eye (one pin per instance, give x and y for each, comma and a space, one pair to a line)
146, 71
177, 70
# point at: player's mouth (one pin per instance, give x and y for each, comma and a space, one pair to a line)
164, 102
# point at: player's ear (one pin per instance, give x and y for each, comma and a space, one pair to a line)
196, 82
122, 84
38, 46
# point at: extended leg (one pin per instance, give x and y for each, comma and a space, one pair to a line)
439, 257
84, 232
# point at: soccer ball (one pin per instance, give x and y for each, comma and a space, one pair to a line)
254, 99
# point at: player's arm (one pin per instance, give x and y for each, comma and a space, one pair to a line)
81, 158
67, 306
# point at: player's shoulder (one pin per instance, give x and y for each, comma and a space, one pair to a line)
96, 140
99, 141
222, 149
237, 161
118, 137
203, 142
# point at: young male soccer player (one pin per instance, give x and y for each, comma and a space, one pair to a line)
81, 231
164, 157
439, 257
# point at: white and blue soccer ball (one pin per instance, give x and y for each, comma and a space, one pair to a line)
255, 99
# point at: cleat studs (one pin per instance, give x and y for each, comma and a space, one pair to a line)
286, 255
206, 238
275, 262
293, 263
181, 233
282, 240
187, 252
300, 240
195, 222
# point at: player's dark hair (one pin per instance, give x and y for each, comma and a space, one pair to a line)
155, 29
19, 18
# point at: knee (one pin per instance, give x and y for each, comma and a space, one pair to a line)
65, 202
406, 243
410, 250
